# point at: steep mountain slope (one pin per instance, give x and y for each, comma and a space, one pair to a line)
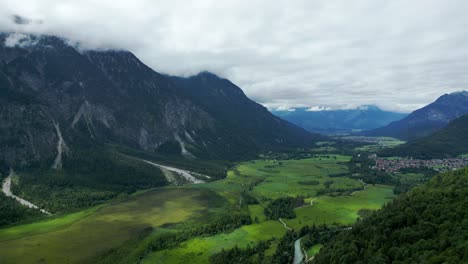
426, 225
246, 126
56, 99
450, 141
428, 119
78, 125
361, 118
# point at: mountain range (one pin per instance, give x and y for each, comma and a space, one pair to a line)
334, 121
426, 120
449, 141
56, 98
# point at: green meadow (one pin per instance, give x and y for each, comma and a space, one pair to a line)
341, 209
313, 250
78, 238
124, 228
198, 250
382, 142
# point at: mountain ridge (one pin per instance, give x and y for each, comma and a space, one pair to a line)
448, 142
343, 120
428, 119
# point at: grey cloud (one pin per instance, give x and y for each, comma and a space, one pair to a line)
397, 54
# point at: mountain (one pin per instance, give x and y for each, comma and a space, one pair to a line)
244, 126
450, 141
426, 225
76, 124
428, 119
51, 90
362, 118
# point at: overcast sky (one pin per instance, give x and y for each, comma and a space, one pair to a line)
399, 54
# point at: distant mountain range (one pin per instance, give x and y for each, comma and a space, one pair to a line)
428, 119
450, 141
332, 121
56, 100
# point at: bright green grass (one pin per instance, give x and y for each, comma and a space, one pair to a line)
43, 226
341, 209
463, 156
271, 179
80, 237
77, 240
256, 212
313, 250
291, 177
198, 250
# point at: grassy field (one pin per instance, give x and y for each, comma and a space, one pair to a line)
77, 238
127, 226
198, 250
379, 143
341, 209
313, 250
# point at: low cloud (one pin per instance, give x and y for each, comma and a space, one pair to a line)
399, 55
319, 108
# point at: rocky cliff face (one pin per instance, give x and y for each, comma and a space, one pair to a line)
54, 97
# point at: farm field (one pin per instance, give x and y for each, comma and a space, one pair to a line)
341, 209
376, 143
126, 227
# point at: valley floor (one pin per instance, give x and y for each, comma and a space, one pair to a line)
125, 231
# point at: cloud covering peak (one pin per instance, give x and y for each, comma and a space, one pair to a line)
399, 55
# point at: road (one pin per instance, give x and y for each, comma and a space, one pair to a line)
6, 188
284, 224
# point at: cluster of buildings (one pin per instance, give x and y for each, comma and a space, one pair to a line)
394, 165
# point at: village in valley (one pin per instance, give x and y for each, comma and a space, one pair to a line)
396, 164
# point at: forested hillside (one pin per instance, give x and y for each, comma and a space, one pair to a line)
427, 225
450, 141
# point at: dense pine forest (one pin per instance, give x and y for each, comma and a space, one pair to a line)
426, 225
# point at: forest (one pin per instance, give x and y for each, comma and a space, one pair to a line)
426, 225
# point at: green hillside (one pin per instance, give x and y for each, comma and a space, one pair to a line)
451, 141
427, 225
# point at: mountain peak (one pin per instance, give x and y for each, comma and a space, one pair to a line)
206, 74
428, 119
462, 92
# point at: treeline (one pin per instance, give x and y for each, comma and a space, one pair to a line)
313, 235
248, 255
360, 167
336, 191
426, 225
89, 177
284, 253
222, 224
283, 207
11, 211
402, 187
